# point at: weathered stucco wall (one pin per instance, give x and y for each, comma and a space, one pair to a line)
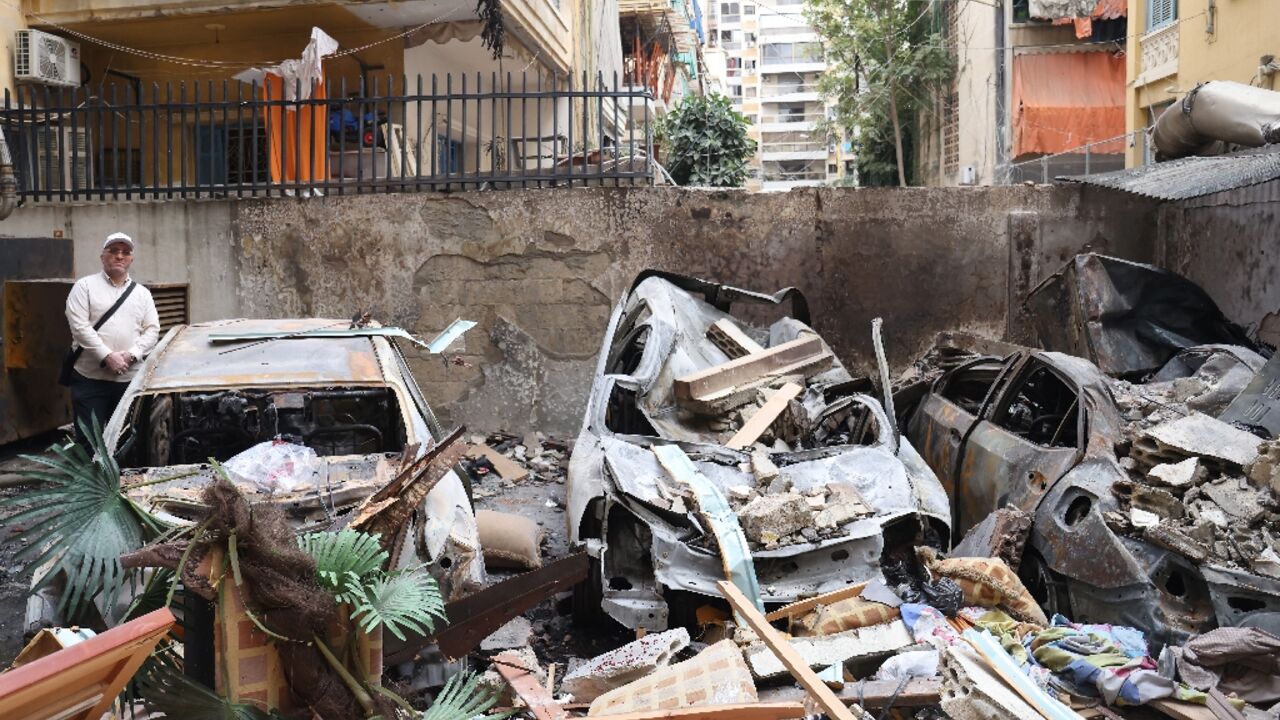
1227, 243
540, 269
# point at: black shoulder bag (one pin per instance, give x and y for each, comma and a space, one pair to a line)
69, 362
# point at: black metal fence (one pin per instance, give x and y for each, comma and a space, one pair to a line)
232, 139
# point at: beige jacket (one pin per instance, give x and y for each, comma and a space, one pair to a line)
134, 327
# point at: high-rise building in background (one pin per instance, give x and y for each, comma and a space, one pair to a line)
764, 56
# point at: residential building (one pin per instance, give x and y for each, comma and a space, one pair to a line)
1178, 44
660, 51
1032, 96
772, 62
416, 88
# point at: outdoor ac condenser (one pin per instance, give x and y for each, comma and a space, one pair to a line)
46, 59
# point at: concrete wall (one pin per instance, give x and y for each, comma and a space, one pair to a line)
1226, 243
541, 269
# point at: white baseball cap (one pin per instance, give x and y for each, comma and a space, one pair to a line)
118, 237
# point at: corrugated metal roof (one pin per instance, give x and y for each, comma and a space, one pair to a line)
1192, 176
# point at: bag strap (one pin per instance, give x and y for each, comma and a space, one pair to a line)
112, 310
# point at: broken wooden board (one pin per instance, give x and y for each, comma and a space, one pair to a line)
476, 616
787, 358
731, 340
757, 711
506, 468
386, 511
527, 688
80, 682
1182, 710
799, 669
803, 606
755, 426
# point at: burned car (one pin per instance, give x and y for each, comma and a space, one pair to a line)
717, 447
1119, 533
343, 396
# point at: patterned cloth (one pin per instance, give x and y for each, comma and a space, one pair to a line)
1244, 661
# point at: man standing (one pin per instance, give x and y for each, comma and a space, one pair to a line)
110, 350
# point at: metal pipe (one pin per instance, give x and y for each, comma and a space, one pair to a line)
8, 181
1214, 114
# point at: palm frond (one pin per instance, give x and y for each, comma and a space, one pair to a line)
344, 560
166, 690
463, 698
80, 523
409, 599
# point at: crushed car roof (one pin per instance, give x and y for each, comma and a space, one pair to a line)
189, 359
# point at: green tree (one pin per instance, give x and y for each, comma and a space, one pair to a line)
706, 142
885, 58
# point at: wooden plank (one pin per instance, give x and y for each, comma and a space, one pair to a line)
1182, 710
755, 426
748, 368
98, 667
527, 687
803, 606
507, 468
731, 340
799, 669
757, 711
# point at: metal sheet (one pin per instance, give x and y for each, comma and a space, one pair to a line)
1192, 176
330, 330
446, 337
1259, 405
36, 337
735, 554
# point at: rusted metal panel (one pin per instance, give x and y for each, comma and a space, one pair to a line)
1001, 468
192, 361
35, 325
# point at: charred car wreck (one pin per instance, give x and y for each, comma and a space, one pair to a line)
794, 478
343, 399
1146, 509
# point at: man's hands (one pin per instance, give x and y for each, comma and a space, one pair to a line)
119, 362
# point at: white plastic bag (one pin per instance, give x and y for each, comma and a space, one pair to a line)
274, 466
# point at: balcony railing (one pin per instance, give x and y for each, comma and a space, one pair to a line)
791, 118
780, 176
767, 91
201, 139
793, 147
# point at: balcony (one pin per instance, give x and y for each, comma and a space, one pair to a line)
786, 122
793, 151
199, 140
796, 92
1158, 55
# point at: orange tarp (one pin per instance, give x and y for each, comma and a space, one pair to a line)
1064, 100
297, 138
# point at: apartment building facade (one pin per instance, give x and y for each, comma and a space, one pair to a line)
764, 56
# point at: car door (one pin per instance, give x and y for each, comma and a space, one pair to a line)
949, 411
1030, 435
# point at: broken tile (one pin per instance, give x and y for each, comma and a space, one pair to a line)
716, 676
1180, 475
822, 651
1160, 502
624, 665
1199, 434
774, 516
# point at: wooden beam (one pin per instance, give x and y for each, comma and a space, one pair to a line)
731, 340
528, 689
796, 665
803, 606
756, 711
755, 426
748, 368
1182, 710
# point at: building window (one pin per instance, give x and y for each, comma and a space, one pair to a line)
951, 132
1161, 13
751, 92
1021, 11
735, 91
832, 169
748, 9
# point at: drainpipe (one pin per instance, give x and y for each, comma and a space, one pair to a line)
8, 181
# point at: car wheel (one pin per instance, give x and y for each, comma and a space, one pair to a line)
1047, 587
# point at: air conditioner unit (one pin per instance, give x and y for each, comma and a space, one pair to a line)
46, 59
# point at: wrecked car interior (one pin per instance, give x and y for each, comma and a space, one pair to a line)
1086, 525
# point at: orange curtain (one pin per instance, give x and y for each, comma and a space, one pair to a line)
1064, 100
297, 136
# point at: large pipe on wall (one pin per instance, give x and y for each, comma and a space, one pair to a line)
8, 181
1216, 114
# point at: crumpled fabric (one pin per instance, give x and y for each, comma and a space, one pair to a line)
1244, 661
1103, 661
302, 74
927, 625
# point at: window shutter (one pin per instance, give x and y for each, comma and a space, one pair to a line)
1161, 13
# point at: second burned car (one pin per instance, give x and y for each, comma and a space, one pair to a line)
824, 494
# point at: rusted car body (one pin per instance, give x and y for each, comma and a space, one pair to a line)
1039, 430
652, 562
346, 394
